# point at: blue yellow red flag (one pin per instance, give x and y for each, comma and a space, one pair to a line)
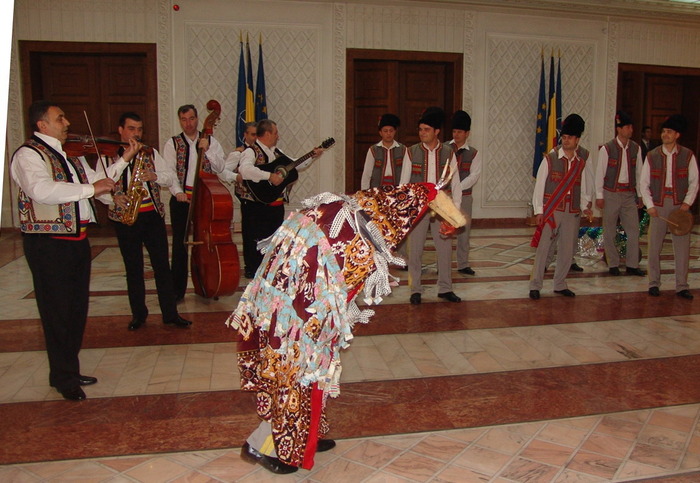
241, 99
260, 96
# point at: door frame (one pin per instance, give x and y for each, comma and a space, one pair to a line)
352, 55
28, 55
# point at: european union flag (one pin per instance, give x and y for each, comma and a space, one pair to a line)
541, 131
240, 107
260, 96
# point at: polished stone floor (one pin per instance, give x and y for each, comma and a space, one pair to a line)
601, 387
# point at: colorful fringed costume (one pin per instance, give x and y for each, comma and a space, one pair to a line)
299, 310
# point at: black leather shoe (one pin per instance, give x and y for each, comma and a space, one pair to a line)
450, 297
685, 294
248, 274
179, 299
654, 291
86, 380
274, 465
136, 322
415, 299
575, 268
635, 271
73, 394
466, 271
566, 293
535, 294
325, 445
614, 271
178, 322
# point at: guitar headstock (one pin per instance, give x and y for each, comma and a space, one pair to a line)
327, 143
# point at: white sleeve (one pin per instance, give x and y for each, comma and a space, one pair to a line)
367, 171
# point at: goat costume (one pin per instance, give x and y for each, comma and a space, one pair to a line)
299, 310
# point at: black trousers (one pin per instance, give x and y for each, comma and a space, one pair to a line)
178, 222
258, 221
61, 274
148, 231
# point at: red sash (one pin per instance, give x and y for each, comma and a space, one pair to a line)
556, 198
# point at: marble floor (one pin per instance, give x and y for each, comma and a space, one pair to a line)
601, 387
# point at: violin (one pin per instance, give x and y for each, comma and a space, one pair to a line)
83, 145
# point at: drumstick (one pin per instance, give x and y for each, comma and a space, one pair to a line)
669, 221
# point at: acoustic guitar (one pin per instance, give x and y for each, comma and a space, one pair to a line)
266, 192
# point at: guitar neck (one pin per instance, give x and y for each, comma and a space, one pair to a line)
299, 160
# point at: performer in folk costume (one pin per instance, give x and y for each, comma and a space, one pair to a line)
299, 310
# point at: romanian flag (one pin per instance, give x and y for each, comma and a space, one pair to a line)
241, 99
552, 135
260, 96
541, 130
249, 96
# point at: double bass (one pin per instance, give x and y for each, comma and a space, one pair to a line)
214, 263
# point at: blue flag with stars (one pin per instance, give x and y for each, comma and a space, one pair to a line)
541, 130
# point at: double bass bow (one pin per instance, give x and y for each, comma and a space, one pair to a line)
214, 263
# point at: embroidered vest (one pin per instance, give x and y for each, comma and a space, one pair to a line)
657, 174
396, 156
612, 172
260, 158
116, 213
557, 171
62, 219
465, 157
182, 157
419, 158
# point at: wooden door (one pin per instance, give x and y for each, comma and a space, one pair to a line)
403, 83
664, 97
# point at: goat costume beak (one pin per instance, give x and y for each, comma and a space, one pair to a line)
443, 206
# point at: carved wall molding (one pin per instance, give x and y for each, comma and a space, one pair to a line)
339, 91
611, 77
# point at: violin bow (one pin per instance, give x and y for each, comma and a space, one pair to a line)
94, 141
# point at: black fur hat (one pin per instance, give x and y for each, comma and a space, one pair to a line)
433, 117
573, 125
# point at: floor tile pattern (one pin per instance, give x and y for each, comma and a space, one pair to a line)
602, 387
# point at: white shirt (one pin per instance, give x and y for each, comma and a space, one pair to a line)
30, 172
645, 181
431, 169
369, 164
215, 155
474, 171
543, 174
624, 174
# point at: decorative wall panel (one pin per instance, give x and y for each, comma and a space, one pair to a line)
511, 106
291, 59
659, 44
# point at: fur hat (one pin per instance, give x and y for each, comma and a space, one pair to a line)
461, 120
675, 122
389, 120
573, 125
622, 119
433, 117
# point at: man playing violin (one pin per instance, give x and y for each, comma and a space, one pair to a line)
180, 154
55, 206
144, 226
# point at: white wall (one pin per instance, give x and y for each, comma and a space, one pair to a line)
304, 46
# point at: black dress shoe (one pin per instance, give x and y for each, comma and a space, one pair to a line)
614, 271
136, 322
467, 271
73, 394
535, 294
325, 445
654, 291
248, 274
86, 380
635, 271
179, 299
415, 299
450, 296
274, 465
685, 294
575, 268
178, 322
566, 293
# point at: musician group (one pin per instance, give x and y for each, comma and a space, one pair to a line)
57, 192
